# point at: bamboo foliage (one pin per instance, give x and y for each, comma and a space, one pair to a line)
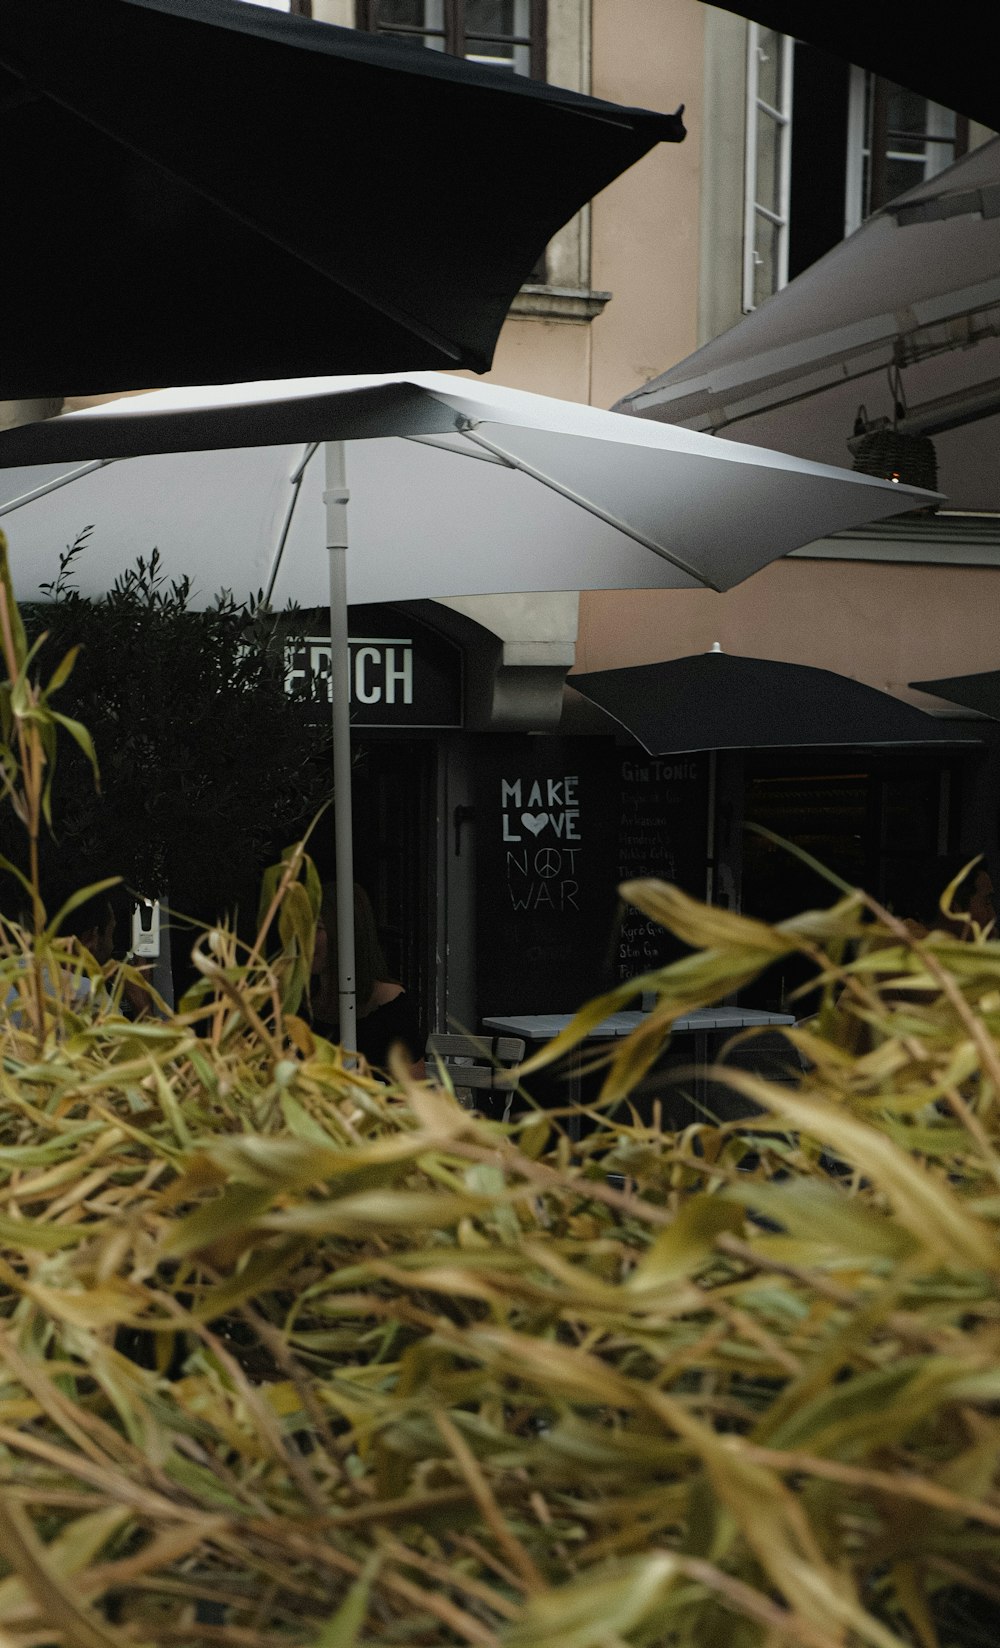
292, 1356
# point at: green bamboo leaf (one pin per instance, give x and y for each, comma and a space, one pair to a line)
33, 652
296, 921
80, 736
72, 1550
11, 610
821, 1213
12, 869
41, 1238
234, 1213
63, 669
795, 851
76, 899
924, 1205
269, 884
684, 1246
912, 1600
705, 926
367, 1212
304, 1126
595, 1609
342, 1631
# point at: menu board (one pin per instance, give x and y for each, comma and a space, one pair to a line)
662, 829
546, 835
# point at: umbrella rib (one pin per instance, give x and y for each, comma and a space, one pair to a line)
470, 429
296, 479
392, 312
53, 486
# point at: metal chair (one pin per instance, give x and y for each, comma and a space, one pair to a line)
477, 1065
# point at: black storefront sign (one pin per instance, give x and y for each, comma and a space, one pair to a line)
546, 832
662, 833
402, 672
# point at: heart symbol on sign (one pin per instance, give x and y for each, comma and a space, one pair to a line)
535, 822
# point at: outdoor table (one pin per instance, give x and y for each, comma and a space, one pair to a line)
700, 1023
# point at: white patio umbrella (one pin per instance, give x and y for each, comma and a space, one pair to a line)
916, 288
231, 485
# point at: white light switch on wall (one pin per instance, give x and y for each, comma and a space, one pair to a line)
146, 929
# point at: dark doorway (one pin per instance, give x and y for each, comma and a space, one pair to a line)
393, 792
870, 817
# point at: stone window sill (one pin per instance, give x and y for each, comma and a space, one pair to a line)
558, 303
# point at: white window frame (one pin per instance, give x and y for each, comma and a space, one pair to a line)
782, 117
936, 156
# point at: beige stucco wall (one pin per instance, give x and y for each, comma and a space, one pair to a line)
644, 236
549, 357
644, 226
883, 624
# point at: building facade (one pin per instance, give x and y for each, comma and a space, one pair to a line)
787, 151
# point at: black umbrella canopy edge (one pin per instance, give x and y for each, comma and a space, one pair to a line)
822, 709
383, 52
218, 279
979, 692
897, 41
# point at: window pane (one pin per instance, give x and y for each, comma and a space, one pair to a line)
765, 272
769, 69
498, 32
768, 162
907, 111
499, 55
903, 173
913, 140
419, 20
496, 17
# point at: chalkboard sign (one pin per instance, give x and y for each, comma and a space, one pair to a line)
546, 840
662, 830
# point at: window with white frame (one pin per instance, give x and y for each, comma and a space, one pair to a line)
768, 164
895, 139
504, 34
300, 8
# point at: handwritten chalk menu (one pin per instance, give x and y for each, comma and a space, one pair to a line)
546, 843
662, 830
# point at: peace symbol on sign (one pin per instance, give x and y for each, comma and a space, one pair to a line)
548, 862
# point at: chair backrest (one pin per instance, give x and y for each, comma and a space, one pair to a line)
477, 1064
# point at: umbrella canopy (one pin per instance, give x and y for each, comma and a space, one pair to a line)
205, 191
916, 287
454, 488
979, 692
457, 488
719, 701
929, 52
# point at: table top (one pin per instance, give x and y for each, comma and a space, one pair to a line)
544, 1026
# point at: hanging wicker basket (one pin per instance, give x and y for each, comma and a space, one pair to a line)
891, 455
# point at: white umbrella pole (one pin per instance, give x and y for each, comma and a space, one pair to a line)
336, 497
710, 829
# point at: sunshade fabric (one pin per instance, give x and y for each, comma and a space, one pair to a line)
431, 513
979, 692
931, 52
720, 701
204, 191
918, 284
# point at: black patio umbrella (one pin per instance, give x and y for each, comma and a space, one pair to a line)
720, 701
973, 692
931, 53
204, 191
